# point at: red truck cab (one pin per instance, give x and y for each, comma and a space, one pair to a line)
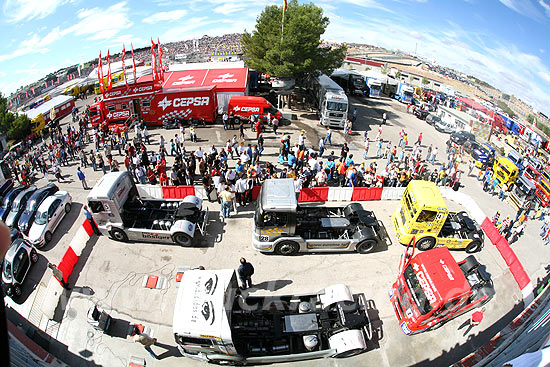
243, 107
433, 288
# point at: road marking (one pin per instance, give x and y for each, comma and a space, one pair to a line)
218, 136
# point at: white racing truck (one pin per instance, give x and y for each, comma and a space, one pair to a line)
121, 213
286, 228
215, 323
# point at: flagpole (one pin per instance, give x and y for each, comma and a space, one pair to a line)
283, 25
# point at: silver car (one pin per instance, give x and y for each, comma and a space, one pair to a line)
49, 215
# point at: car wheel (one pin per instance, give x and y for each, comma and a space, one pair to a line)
425, 243
473, 246
17, 290
47, 237
119, 235
182, 239
34, 256
366, 246
287, 248
67, 207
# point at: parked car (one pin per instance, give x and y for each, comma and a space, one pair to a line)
432, 119
470, 145
18, 206
460, 137
420, 113
8, 200
6, 187
27, 217
49, 215
17, 263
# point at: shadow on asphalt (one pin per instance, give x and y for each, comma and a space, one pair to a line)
474, 342
376, 323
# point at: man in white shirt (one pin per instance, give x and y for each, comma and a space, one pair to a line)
321, 178
199, 153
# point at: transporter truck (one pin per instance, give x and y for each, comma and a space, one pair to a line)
375, 87
404, 93
123, 215
330, 99
215, 323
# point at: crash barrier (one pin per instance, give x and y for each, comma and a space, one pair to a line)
177, 192
496, 347
313, 194
366, 193
502, 245
66, 265
150, 191
392, 193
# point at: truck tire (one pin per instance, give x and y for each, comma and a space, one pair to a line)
118, 234
287, 248
425, 243
469, 264
365, 246
349, 353
182, 239
473, 246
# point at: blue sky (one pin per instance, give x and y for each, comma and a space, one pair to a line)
499, 41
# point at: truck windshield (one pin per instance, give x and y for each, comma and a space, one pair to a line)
337, 106
416, 290
408, 93
503, 167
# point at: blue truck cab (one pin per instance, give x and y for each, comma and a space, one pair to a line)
484, 156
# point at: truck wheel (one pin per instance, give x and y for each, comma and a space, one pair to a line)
469, 264
425, 243
365, 246
182, 239
287, 248
473, 246
119, 235
349, 353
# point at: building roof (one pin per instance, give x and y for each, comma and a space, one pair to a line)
45, 107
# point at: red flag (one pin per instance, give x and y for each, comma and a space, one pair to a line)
109, 81
160, 62
45, 84
33, 91
284, 5
124, 67
52, 83
57, 80
153, 60
26, 94
133, 62
100, 74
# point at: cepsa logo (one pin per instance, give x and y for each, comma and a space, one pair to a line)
142, 89
112, 94
426, 286
184, 102
246, 109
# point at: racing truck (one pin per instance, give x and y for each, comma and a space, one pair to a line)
424, 215
432, 288
123, 215
214, 322
286, 228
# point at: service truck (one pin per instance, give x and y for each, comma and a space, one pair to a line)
375, 87
432, 288
424, 215
286, 228
149, 102
404, 93
214, 322
123, 215
330, 99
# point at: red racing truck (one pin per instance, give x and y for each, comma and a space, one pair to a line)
432, 288
153, 104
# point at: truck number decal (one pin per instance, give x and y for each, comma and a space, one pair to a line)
155, 236
264, 238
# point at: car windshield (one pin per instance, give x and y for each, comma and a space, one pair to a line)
31, 205
337, 106
15, 205
7, 270
6, 202
416, 291
41, 217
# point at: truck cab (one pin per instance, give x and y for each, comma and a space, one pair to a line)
214, 322
432, 288
517, 159
286, 228
506, 171
123, 215
423, 215
523, 191
484, 156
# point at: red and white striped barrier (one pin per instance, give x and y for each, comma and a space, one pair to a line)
66, 265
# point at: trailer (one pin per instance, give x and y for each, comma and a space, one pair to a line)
42, 114
351, 81
214, 322
123, 215
404, 93
330, 99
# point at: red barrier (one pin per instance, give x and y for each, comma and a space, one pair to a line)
88, 227
255, 192
519, 274
366, 193
492, 233
313, 194
67, 263
177, 192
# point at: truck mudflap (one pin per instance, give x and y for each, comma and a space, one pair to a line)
201, 225
335, 293
367, 329
348, 343
383, 234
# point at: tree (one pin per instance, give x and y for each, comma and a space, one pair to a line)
295, 53
505, 96
12, 125
530, 119
425, 81
398, 75
503, 106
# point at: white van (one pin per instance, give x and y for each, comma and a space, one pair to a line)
445, 126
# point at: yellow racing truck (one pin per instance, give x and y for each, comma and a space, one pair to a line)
424, 215
505, 171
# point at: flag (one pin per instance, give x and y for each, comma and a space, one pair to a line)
52, 83
33, 91
284, 5
26, 94
133, 62
153, 60
100, 74
109, 81
58, 80
124, 67
45, 84
160, 61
